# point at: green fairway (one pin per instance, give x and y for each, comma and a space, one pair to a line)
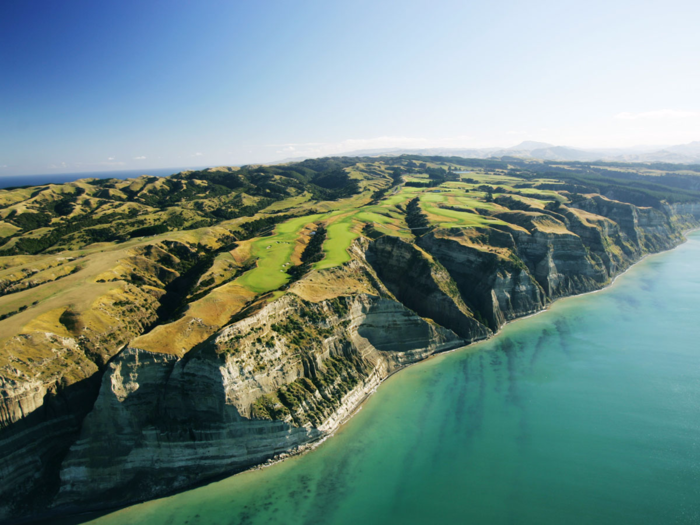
339, 238
290, 203
345, 219
378, 215
403, 196
273, 253
449, 218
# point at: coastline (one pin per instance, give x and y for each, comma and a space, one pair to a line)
471, 347
604, 380
90, 513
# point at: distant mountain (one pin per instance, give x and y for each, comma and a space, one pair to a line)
678, 154
530, 145
564, 153
692, 149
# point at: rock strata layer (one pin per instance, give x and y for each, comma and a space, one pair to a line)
293, 369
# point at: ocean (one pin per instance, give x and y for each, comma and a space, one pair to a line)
586, 413
58, 178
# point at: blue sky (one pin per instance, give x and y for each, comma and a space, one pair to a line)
91, 85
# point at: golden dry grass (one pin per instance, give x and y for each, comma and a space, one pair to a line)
320, 285
547, 224
202, 319
242, 254
589, 219
473, 238
301, 243
7, 229
105, 261
344, 219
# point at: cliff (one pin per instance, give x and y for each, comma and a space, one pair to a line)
161, 363
255, 390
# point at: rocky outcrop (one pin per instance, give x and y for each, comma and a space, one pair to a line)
560, 262
420, 282
494, 284
684, 209
289, 368
50, 368
34, 446
642, 230
259, 388
556, 257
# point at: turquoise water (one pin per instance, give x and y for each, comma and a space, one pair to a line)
588, 413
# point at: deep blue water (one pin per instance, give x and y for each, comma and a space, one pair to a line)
38, 180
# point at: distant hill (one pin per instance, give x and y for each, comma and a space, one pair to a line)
530, 145
563, 153
158, 332
678, 154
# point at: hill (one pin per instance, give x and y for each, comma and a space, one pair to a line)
679, 154
158, 332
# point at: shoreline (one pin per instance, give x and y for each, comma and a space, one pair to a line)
472, 347
91, 513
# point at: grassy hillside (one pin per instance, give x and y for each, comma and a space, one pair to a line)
225, 237
292, 284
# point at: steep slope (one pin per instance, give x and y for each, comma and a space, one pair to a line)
260, 387
424, 285
133, 368
489, 277
288, 374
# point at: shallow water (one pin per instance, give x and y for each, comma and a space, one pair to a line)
587, 413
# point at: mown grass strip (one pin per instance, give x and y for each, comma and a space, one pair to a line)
339, 237
272, 254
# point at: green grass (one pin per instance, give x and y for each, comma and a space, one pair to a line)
434, 197
7, 229
378, 215
291, 202
272, 254
471, 202
402, 197
456, 218
338, 240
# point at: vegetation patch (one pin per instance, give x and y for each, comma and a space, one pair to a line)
415, 218
339, 238
311, 254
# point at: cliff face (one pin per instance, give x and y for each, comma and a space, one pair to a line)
50, 368
492, 281
289, 368
255, 390
641, 230
420, 282
53, 383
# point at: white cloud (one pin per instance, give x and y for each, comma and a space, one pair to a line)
658, 114
139, 158
110, 158
198, 154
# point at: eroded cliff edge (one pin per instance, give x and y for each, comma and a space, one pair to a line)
290, 367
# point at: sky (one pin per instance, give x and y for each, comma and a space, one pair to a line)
121, 84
